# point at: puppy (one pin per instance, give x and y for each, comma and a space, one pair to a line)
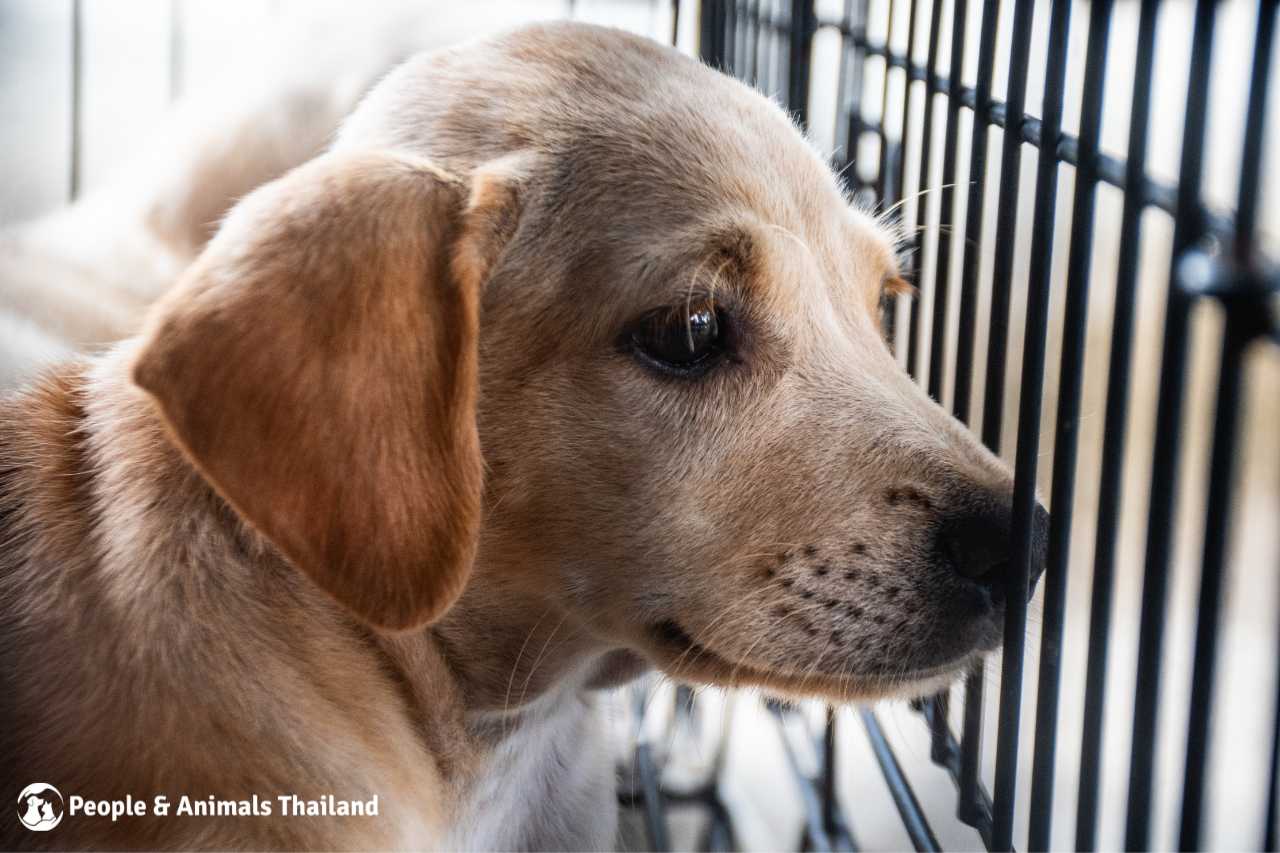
563, 363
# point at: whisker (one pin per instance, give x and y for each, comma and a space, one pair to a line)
534, 666
506, 702
927, 190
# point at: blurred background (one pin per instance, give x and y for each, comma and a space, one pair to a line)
95, 96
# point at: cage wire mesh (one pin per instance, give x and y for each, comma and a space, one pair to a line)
1097, 300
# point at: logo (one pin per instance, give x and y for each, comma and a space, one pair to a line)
40, 807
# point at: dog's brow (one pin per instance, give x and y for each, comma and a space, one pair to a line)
793, 236
728, 256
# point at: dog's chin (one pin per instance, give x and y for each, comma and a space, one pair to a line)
683, 658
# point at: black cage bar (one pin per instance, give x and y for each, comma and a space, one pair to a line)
1217, 257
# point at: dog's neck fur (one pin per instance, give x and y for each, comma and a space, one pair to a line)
497, 691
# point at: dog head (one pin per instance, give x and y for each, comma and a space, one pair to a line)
579, 305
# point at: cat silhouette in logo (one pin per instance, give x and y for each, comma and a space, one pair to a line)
41, 812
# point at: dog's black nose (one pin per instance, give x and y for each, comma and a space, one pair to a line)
976, 543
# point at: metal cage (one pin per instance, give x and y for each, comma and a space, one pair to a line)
1216, 257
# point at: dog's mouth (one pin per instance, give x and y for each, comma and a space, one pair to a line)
675, 641
678, 654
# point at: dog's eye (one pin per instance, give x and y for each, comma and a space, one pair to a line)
685, 340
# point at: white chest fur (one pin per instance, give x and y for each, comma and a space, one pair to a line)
547, 786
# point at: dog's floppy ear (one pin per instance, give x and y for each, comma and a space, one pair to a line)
317, 365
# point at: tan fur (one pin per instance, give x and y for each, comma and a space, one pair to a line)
351, 256
324, 591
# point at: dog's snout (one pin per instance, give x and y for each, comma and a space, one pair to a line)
977, 545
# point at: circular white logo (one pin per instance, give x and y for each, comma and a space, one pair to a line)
40, 807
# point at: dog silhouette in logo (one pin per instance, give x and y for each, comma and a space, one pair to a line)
40, 807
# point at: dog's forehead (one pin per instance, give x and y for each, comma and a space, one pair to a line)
640, 144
